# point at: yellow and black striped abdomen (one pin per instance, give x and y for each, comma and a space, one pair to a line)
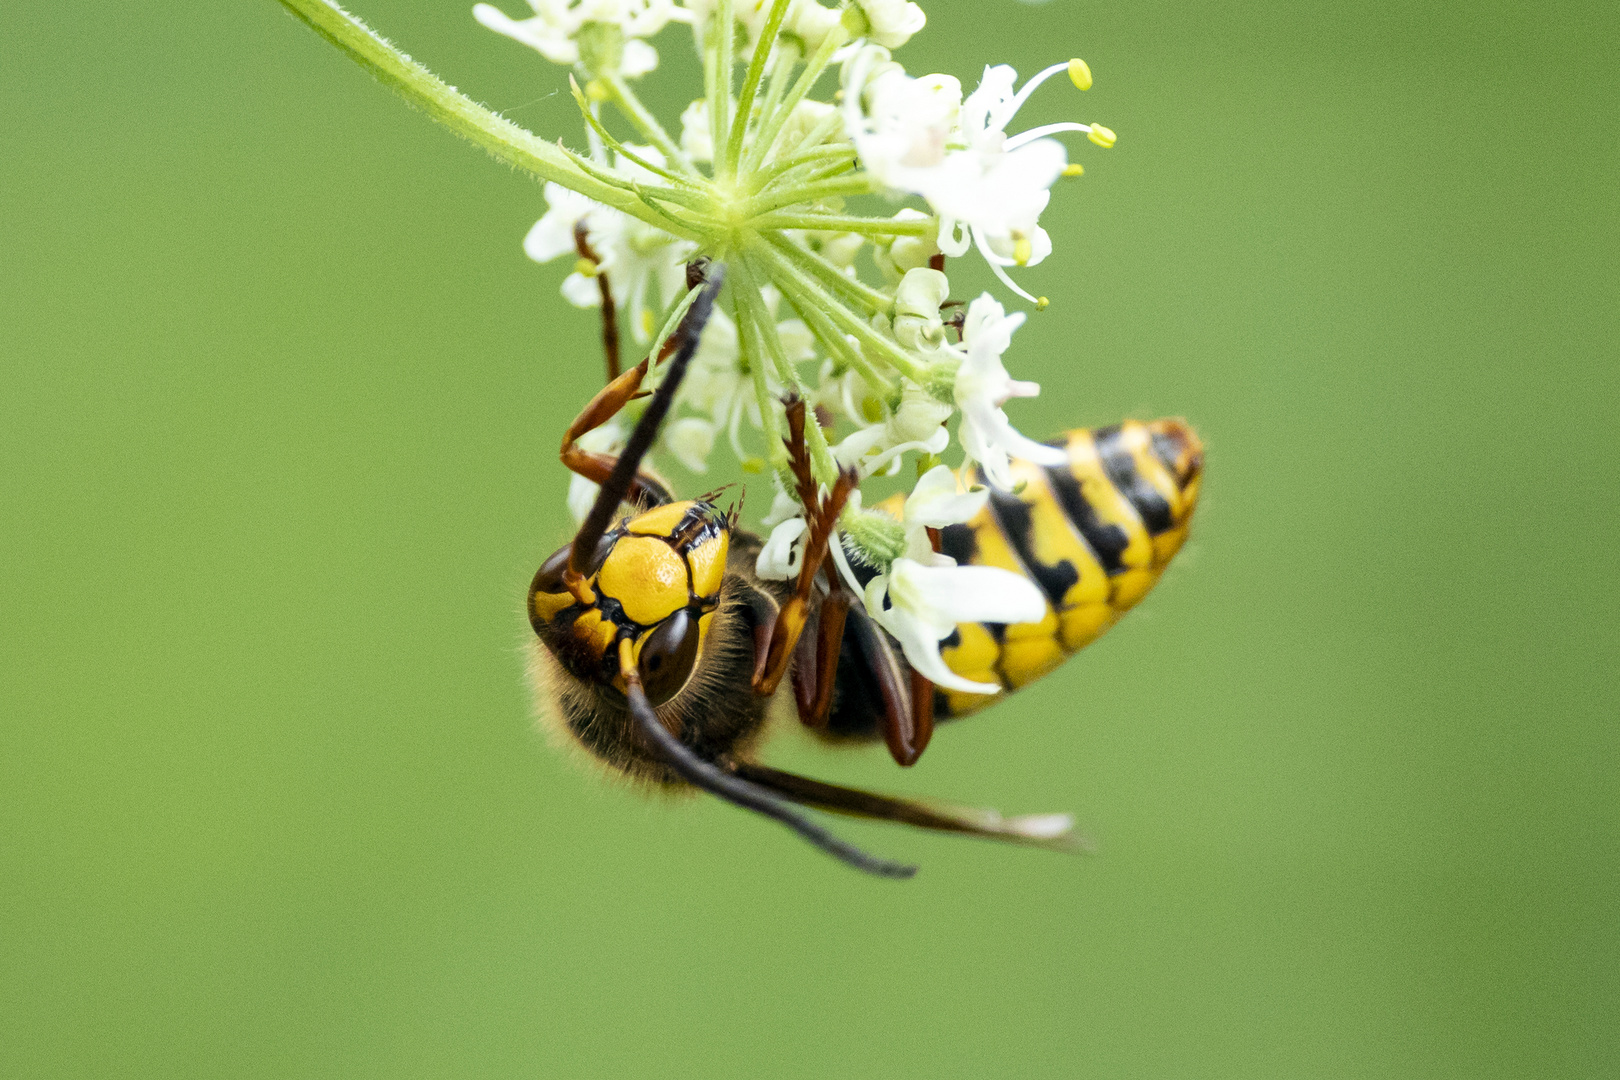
1093, 534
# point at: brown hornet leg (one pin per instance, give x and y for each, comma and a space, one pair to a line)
817, 669
821, 515
1052, 831
610, 316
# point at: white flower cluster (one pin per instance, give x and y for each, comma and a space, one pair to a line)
760, 174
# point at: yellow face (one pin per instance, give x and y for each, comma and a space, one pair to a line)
655, 582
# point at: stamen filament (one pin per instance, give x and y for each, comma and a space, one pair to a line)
1035, 81
995, 262
1026, 137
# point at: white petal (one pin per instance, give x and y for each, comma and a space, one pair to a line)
945, 596
919, 642
935, 503
980, 447
1004, 435
550, 40
857, 444
782, 552
553, 234
783, 506
934, 444
581, 497
1040, 246
638, 58
581, 291
954, 236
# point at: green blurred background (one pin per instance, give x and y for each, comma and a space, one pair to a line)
279, 408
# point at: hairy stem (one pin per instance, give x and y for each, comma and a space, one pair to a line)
641, 117
504, 140
756, 70
852, 289
771, 126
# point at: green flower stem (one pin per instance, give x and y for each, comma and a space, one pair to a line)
816, 175
750, 87
781, 77
676, 314
618, 147
503, 140
822, 462
753, 355
725, 57
638, 115
786, 271
671, 223
861, 183
855, 291
819, 134
815, 156
771, 127
868, 226
697, 227
748, 289
812, 303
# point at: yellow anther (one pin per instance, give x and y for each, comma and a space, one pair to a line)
1042, 303
1074, 169
1079, 74
753, 465
646, 322
585, 267
1101, 136
1022, 250
597, 90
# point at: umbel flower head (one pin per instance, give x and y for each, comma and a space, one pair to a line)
850, 311
834, 185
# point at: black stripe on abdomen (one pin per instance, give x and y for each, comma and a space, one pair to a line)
1106, 541
1120, 468
1012, 514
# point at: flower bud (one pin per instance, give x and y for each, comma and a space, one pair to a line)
902, 253
919, 415
917, 324
878, 539
891, 23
